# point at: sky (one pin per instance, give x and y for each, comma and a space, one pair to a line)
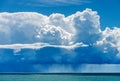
51, 35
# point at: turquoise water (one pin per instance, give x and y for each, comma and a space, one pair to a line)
57, 77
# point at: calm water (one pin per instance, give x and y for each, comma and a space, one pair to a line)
58, 77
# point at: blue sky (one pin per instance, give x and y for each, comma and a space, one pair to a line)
108, 10
52, 35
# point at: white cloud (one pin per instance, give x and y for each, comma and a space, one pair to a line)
18, 47
29, 28
110, 38
87, 26
56, 29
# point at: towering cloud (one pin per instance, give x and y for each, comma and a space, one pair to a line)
34, 39
31, 27
87, 26
28, 27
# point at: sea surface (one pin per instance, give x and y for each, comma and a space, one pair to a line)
59, 77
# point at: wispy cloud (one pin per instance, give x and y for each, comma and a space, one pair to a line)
48, 3
63, 2
18, 47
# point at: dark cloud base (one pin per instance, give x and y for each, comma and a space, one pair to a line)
42, 60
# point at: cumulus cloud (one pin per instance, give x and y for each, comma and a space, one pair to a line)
34, 39
28, 27
31, 27
87, 26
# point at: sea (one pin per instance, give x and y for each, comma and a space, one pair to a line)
59, 77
